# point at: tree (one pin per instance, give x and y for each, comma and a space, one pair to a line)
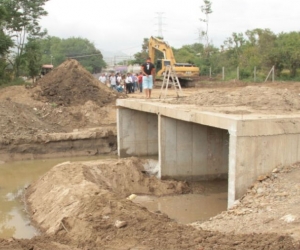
22, 23
5, 41
187, 53
234, 48
140, 57
287, 52
261, 42
33, 55
56, 50
5, 44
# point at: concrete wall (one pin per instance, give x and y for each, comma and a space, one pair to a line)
192, 151
137, 133
253, 156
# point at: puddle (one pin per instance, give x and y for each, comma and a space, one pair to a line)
189, 208
14, 176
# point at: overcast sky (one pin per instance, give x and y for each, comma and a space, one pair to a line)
119, 25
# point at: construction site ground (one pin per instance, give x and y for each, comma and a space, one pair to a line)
84, 205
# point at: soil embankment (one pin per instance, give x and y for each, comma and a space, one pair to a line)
66, 106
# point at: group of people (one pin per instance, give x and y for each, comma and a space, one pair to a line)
132, 82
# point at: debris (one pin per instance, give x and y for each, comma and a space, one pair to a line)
120, 224
131, 197
288, 218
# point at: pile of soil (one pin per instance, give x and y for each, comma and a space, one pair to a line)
67, 98
91, 210
270, 205
71, 84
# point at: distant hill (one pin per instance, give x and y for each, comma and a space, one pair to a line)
112, 58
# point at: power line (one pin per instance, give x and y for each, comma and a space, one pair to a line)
84, 55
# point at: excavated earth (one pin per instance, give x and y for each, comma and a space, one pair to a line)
85, 205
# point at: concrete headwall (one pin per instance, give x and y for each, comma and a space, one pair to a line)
253, 155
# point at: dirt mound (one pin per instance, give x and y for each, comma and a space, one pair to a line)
20, 120
268, 206
92, 196
70, 84
271, 98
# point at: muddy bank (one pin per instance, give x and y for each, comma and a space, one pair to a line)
86, 142
270, 205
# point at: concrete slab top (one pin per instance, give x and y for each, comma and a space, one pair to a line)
240, 123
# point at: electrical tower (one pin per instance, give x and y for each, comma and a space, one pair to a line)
160, 24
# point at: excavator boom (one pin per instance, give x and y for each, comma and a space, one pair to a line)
183, 70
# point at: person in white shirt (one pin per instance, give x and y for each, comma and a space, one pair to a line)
102, 78
119, 79
113, 81
128, 83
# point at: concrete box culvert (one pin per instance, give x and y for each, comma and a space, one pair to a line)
202, 145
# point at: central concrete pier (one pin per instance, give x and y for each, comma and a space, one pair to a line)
199, 145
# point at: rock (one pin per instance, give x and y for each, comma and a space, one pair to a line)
131, 197
260, 190
236, 203
288, 218
120, 224
262, 177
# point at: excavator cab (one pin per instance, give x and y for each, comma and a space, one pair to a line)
46, 68
161, 64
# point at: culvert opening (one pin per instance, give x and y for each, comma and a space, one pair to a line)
186, 151
187, 208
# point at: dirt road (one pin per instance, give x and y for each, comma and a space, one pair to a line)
84, 205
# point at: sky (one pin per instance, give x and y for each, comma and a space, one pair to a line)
121, 26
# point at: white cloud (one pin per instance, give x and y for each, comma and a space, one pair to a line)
118, 25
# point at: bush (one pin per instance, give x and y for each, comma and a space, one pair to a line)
8, 82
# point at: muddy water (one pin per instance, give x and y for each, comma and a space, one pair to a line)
189, 208
14, 176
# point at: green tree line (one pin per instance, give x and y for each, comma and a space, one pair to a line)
258, 49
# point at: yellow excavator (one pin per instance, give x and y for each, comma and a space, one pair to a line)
184, 71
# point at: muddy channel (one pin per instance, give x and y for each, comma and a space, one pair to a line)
16, 176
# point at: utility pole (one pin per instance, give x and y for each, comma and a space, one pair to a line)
160, 24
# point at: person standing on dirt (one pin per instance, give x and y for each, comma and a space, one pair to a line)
102, 78
148, 70
128, 84
135, 82
140, 82
113, 81
119, 79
